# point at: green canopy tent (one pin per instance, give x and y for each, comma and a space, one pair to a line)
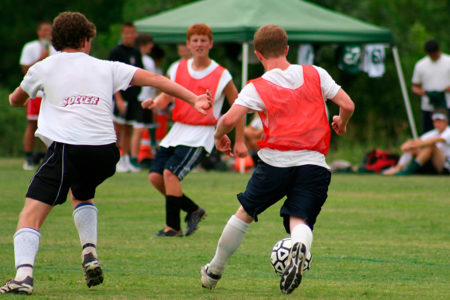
237, 21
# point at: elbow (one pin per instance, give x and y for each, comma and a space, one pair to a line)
227, 121
349, 106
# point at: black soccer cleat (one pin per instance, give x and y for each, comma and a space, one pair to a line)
292, 275
92, 271
24, 287
169, 232
192, 219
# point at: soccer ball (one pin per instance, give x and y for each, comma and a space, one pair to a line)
280, 254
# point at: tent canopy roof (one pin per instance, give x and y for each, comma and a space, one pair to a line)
237, 21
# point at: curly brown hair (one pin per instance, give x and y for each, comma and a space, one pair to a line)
69, 29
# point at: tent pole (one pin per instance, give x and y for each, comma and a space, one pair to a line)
404, 91
244, 63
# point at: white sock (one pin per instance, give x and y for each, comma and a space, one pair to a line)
85, 217
230, 240
302, 233
26, 246
405, 159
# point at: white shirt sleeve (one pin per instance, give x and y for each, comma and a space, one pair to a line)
416, 78
249, 98
29, 52
122, 75
31, 82
329, 87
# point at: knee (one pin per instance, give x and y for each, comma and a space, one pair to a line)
169, 176
155, 178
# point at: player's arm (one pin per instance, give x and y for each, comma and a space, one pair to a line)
161, 101
120, 103
346, 108
145, 78
226, 123
240, 149
18, 97
418, 143
417, 89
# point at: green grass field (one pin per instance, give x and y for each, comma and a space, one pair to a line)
376, 238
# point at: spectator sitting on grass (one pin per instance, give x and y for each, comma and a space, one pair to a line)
428, 154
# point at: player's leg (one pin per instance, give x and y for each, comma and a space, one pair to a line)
138, 131
26, 246
183, 160
32, 112
85, 218
230, 240
437, 159
305, 198
265, 187
88, 167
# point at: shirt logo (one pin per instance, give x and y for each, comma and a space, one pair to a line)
79, 99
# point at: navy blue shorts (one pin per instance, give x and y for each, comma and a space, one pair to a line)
78, 167
179, 160
306, 188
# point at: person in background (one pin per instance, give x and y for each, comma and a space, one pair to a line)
127, 104
290, 99
253, 133
144, 117
431, 81
430, 153
191, 137
33, 52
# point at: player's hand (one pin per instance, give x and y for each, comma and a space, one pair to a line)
223, 144
240, 149
148, 103
203, 102
338, 125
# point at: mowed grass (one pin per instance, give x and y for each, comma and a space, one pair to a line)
376, 238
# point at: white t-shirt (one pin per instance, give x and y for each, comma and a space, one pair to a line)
433, 76
77, 105
291, 78
197, 135
373, 61
31, 52
147, 91
443, 146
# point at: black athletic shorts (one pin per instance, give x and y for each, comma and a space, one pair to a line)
78, 167
180, 160
135, 115
306, 188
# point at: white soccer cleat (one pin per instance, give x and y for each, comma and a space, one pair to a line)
209, 280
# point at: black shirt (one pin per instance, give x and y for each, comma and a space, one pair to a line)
131, 56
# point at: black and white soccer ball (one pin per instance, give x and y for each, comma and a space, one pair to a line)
280, 254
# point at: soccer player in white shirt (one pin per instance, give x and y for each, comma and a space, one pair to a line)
76, 123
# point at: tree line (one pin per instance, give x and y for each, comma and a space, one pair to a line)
380, 117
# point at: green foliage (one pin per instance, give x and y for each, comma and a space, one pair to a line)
12, 126
380, 119
376, 238
19, 28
